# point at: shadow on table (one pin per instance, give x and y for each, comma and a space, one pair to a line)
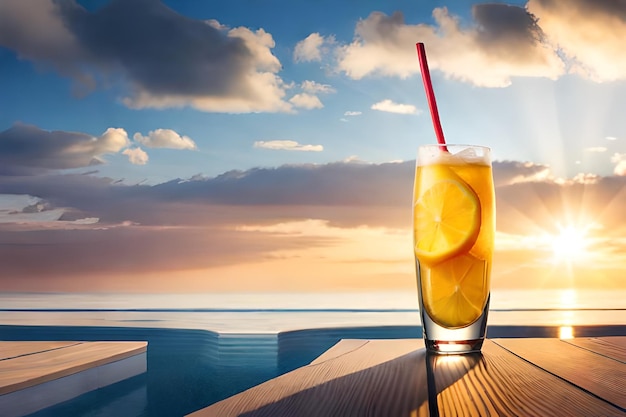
406, 386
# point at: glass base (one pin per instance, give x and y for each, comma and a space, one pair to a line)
453, 348
446, 341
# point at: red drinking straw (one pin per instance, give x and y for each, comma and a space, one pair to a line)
430, 95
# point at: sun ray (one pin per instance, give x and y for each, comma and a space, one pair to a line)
570, 243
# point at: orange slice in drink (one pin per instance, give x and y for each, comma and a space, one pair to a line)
446, 220
455, 291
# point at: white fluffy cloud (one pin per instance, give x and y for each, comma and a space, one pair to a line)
200, 64
619, 159
165, 138
111, 141
547, 38
257, 89
504, 41
309, 99
391, 107
590, 33
309, 49
136, 156
316, 88
306, 101
27, 149
287, 145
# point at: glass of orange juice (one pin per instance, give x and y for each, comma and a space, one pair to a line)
453, 240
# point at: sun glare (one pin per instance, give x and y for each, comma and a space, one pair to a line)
570, 244
566, 332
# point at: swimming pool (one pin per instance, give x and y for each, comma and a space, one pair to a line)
187, 369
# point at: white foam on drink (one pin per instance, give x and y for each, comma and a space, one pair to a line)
456, 155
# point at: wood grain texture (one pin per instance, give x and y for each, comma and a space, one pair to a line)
348, 385
611, 347
593, 372
398, 378
503, 384
343, 347
25, 371
10, 350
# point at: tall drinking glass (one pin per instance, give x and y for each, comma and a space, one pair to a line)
453, 239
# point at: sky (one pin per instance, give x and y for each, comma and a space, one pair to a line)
247, 146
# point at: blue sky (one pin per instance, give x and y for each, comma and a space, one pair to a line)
142, 122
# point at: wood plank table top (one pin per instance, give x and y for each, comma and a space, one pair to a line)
511, 377
26, 364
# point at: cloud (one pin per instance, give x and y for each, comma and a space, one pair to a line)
165, 138
315, 88
514, 172
309, 49
111, 141
547, 38
287, 145
311, 214
306, 101
27, 149
597, 149
391, 107
136, 156
195, 63
589, 33
352, 113
52, 43
27, 209
308, 188
619, 159
503, 42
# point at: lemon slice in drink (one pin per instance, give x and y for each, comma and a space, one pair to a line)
455, 292
446, 221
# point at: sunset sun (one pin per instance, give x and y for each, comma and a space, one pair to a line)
570, 243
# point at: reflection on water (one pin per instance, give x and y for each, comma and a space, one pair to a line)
566, 332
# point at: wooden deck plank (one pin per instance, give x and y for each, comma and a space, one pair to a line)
606, 346
29, 370
10, 350
499, 383
382, 360
616, 340
398, 378
341, 348
590, 371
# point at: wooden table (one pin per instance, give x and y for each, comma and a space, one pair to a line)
512, 377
